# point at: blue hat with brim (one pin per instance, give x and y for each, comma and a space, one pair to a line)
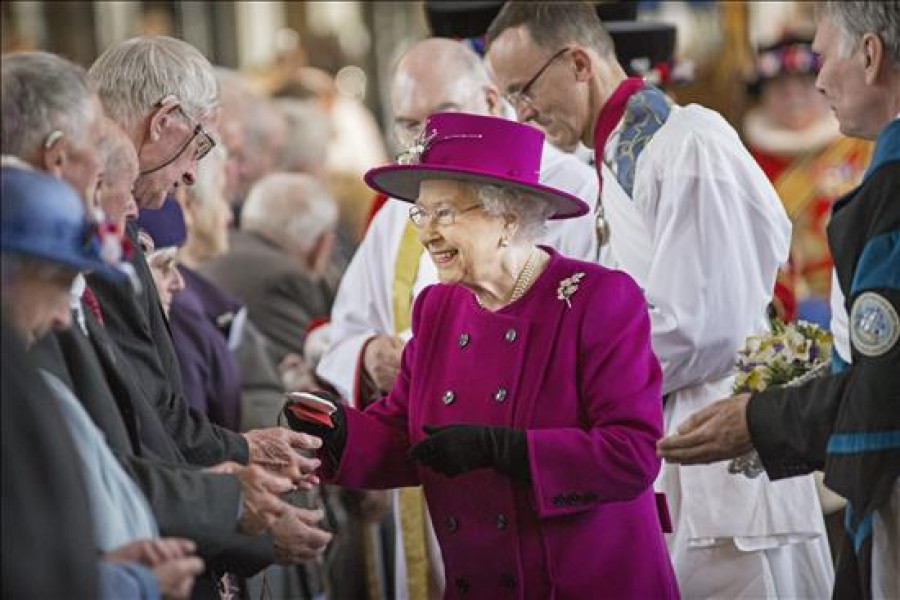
44, 218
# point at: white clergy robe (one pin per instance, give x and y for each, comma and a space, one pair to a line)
703, 233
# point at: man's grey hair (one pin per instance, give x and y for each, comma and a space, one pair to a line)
291, 209
451, 58
531, 213
133, 76
553, 25
42, 93
855, 19
308, 134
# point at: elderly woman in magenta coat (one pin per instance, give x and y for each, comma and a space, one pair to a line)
528, 402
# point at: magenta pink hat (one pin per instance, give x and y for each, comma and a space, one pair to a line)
479, 149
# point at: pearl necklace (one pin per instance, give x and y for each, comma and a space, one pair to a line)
525, 277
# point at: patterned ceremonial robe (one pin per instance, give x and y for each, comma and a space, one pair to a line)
375, 297
579, 376
701, 230
849, 423
810, 169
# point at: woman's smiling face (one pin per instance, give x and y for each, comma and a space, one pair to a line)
461, 238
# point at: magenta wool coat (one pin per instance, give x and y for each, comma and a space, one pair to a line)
582, 380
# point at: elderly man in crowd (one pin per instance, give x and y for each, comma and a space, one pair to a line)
278, 257
170, 136
847, 423
198, 505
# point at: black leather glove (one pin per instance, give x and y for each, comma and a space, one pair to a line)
456, 449
333, 438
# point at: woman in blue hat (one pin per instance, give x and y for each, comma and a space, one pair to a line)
46, 241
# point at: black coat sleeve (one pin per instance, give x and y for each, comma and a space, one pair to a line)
138, 327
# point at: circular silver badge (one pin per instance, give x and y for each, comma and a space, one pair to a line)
874, 324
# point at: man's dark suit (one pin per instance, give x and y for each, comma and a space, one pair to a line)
48, 548
186, 501
138, 327
281, 299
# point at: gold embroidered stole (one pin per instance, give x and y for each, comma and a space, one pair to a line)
412, 525
412, 513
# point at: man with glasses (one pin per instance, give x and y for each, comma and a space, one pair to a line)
371, 313
703, 233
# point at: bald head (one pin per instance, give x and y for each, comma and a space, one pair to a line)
437, 75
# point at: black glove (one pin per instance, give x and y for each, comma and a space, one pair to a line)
456, 449
333, 438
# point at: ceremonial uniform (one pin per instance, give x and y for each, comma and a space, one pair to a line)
574, 371
702, 232
849, 423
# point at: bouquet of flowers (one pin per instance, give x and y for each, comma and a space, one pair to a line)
791, 354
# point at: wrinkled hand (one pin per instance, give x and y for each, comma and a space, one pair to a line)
381, 360
276, 449
260, 500
457, 449
296, 536
151, 552
718, 432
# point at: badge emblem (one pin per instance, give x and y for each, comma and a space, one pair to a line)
874, 324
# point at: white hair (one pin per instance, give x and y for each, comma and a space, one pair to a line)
855, 19
291, 209
531, 213
42, 93
308, 133
134, 76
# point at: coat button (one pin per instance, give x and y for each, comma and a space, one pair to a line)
500, 395
462, 586
508, 581
452, 524
501, 522
511, 335
449, 397
463, 340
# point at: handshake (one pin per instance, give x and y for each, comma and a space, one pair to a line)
278, 466
451, 450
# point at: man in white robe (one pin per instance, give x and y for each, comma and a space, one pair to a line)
371, 313
701, 230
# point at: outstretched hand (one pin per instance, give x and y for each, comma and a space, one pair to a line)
277, 450
718, 432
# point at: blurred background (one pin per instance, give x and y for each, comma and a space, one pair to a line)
750, 61
355, 43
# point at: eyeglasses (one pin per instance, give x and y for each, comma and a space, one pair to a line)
205, 143
443, 216
523, 96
